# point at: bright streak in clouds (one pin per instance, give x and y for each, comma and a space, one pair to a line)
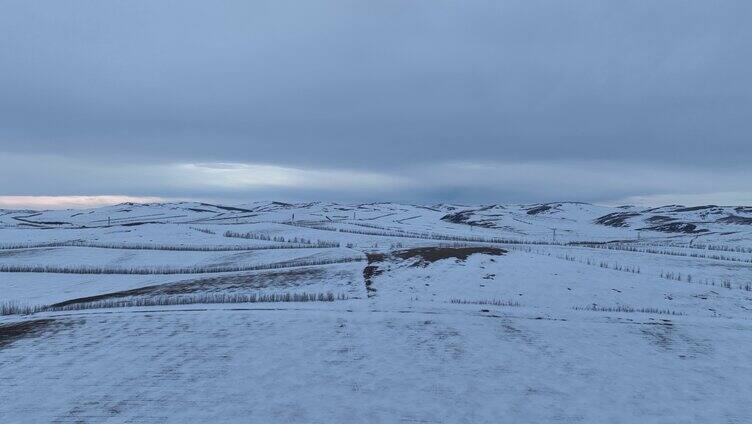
610, 182
245, 176
63, 202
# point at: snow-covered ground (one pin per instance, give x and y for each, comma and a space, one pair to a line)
562, 312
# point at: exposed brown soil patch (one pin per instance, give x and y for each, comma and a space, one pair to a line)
425, 256
9, 333
694, 208
432, 254
678, 227
280, 278
124, 293
659, 219
25, 253
539, 209
465, 217
736, 219
369, 272
616, 219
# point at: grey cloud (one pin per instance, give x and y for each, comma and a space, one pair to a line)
381, 87
465, 182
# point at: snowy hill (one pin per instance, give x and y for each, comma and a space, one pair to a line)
567, 222
559, 312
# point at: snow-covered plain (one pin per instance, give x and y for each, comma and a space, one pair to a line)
587, 314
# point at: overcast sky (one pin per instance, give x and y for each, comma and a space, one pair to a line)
414, 101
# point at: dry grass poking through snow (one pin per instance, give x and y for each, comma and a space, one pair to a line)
162, 270
627, 309
493, 302
166, 247
15, 308
18, 308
